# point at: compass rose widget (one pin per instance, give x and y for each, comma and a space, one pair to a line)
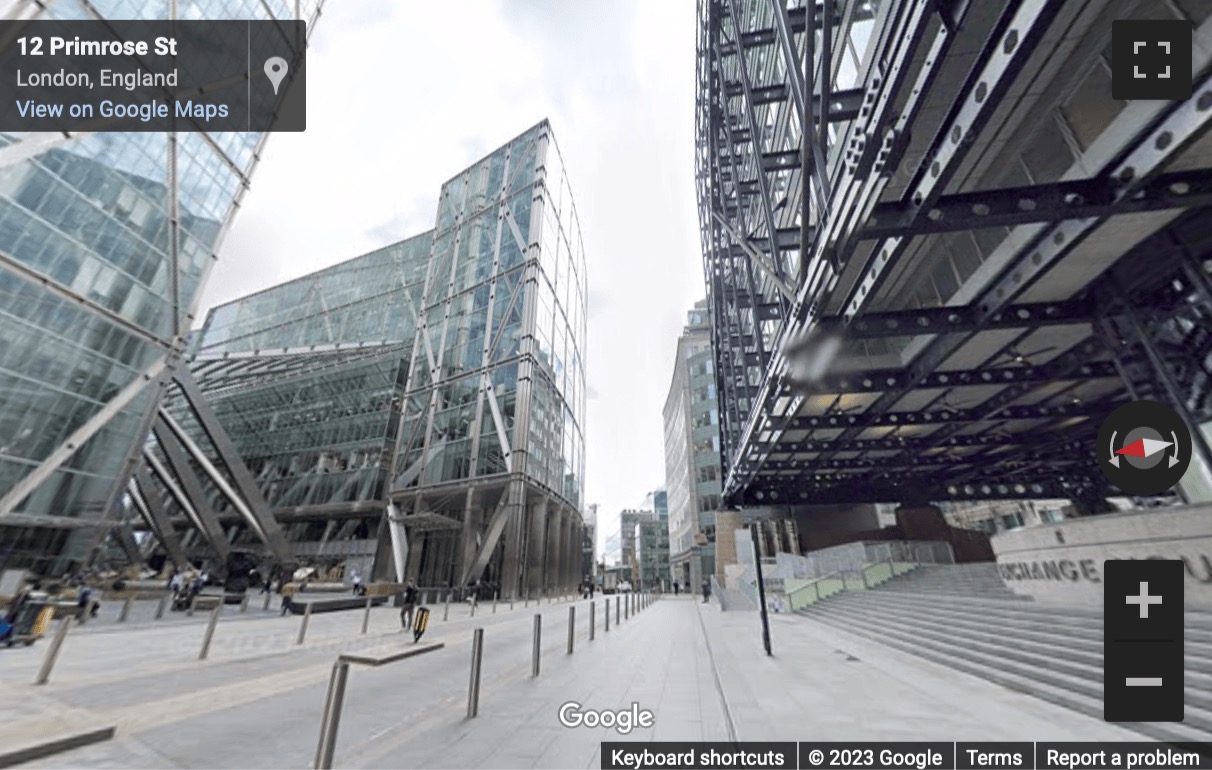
1144, 448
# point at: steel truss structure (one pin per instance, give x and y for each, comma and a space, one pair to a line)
937, 251
106, 242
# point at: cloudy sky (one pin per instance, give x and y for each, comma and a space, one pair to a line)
403, 95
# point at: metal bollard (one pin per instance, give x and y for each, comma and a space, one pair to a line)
162, 606
593, 606
210, 632
496, 595
627, 608
303, 625
473, 607
268, 597
538, 635
473, 689
51, 654
244, 602
125, 609
607, 613
366, 615
332, 715
446, 613
572, 626
616, 610
193, 603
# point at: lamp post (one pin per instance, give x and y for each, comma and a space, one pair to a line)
754, 532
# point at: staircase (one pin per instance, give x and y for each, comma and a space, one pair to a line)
962, 616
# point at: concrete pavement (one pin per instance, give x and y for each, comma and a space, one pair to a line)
258, 701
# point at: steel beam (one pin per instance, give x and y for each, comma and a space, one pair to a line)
191, 485
1078, 199
247, 486
856, 191
158, 471
952, 416
866, 490
80, 436
145, 490
1014, 40
960, 318
917, 445
884, 380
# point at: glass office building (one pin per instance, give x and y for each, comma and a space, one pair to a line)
418, 410
105, 244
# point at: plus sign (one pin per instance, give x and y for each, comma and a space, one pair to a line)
1144, 600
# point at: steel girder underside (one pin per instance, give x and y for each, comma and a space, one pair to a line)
997, 390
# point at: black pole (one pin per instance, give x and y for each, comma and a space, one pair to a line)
761, 582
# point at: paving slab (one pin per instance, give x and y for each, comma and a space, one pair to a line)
823, 685
703, 674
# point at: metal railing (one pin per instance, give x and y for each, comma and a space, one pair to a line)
335, 699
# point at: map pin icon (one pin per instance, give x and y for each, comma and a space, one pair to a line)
275, 70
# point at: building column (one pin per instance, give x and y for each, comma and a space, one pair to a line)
412, 565
564, 557
696, 570
472, 514
536, 548
551, 557
573, 572
727, 523
578, 550
512, 571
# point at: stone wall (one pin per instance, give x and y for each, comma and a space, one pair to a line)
726, 525
1062, 563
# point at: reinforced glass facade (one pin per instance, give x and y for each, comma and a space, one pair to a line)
427, 375
496, 387
474, 309
103, 253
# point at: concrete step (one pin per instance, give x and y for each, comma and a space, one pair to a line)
1056, 654
1199, 643
1075, 678
1060, 690
1198, 624
953, 588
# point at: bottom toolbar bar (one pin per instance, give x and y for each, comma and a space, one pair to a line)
930, 755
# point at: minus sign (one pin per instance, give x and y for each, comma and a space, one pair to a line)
1143, 681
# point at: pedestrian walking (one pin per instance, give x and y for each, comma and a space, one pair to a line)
706, 591
84, 602
592, 587
408, 606
676, 588
357, 584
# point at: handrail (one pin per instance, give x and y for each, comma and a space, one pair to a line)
335, 698
815, 585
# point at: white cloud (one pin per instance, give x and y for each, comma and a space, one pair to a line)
402, 96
